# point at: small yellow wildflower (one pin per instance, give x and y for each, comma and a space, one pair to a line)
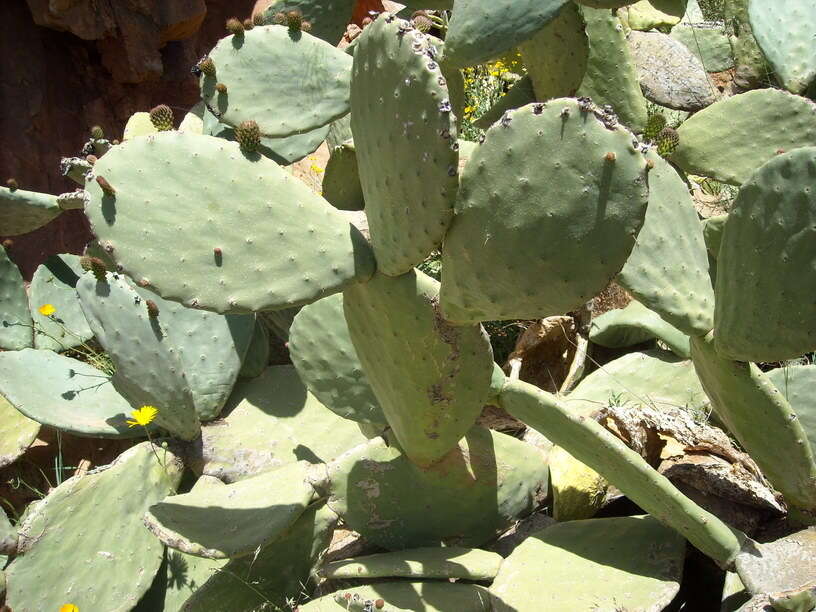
142, 416
316, 168
68, 608
47, 310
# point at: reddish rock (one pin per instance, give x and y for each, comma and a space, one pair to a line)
76, 72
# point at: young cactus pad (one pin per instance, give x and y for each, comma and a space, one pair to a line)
222, 258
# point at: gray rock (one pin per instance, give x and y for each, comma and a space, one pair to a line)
669, 74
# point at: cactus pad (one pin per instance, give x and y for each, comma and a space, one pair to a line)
327, 19
17, 431
54, 283
398, 87
621, 563
149, 369
279, 572
288, 83
766, 274
519, 94
220, 522
322, 351
435, 562
431, 378
786, 33
271, 421
754, 411
257, 355
479, 31
24, 211
432, 596
797, 384
118, 561
15, 318
64, 393
668, 268
568, 180
556, 56
341, 183
222, 246
634, 324
480, 487
139, 124
731, 138
611, 76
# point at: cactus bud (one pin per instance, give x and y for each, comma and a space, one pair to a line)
667, 141
610, 156
8, 243
305, 26
379, 604
293, 20
279, 18
91, 159
248, 135
248, 25
221, 88
421, 21
235, 27
105, 185
366, 21
115, 142
258, 19
97, 133
12, 184
152, 309
95, 265
654, 125
161, 117
207, 66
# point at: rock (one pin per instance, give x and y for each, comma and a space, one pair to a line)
708, 44
669, 74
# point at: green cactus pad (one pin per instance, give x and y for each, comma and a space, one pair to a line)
17, 431
436, 562
593, 445
479, 31
403, 596
786, 34
431, 378
289, 83
713, 229
257, 355
397, 87
322, 351
652, 378
556, 56
138, 125
479, 488
15, 318
64, 393
222, 259
621, 563
755, 412
328, 18
279, 572
766, 266
668, 268
149, 370
179, 576
95, 567
645, 15
568, 181
282, 151
271, 421
731, 138
519, 94
709, 45
611, 76
54, 283
24, 211
797, 383
211, 349
634, 324
341, 182
233, 520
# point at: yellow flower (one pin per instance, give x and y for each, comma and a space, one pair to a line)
316, 168
47, 310
68, 608
142, 416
